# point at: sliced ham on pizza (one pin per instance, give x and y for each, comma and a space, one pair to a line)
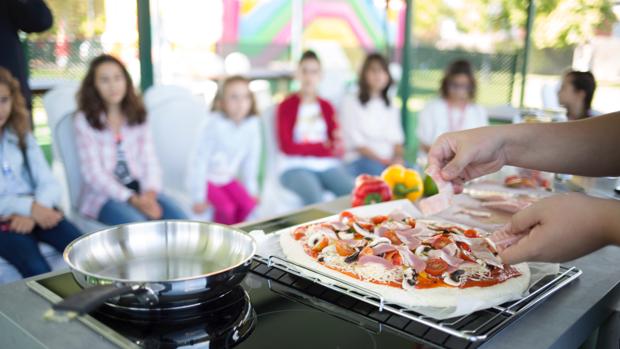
409, 262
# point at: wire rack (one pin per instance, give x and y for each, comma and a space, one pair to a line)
472, 327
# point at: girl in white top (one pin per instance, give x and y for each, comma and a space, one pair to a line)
455, 110
228, 149
372, 127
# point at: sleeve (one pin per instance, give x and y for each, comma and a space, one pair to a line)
483, 116
251, 162
15, 205
286, 123
30, 16
90, 164
351, 130
47, 188
151, 167
425, 125
197, 165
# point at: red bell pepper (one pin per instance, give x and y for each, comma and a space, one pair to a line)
370, 190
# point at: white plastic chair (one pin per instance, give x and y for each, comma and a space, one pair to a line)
549, 95
174, 117
60, 101
65, 151
237, 63
275, 199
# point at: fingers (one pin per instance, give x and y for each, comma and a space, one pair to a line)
523, 226
440, 153
527, 249
456, 166
21, 226
523, 221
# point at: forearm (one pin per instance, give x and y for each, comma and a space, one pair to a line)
367, 152
610, 220
424, 147
588, 147
399, 151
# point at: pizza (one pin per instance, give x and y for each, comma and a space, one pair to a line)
410, 262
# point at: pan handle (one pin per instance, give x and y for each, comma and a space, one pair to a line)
90, 298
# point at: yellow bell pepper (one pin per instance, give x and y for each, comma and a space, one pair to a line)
404, 182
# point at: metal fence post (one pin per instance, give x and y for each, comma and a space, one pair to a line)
531, 12
405, 81
144, 44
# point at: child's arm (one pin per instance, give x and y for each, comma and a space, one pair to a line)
197, 166
152, 168
251, 163
46, 187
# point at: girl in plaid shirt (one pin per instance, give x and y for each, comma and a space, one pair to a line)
122, 177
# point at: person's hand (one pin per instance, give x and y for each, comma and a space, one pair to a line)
22, 224
200, 207
147, 205
559, 228
151, 207
150, 195
398, 160
465, 155
46, 218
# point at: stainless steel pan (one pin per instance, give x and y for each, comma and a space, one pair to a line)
156, 265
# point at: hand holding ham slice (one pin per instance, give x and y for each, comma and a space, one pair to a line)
502, 238
441, 201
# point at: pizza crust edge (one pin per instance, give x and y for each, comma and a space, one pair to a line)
442, 297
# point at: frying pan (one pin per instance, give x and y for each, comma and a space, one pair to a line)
150, 266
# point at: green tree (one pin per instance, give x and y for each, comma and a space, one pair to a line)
558, 23
81, 18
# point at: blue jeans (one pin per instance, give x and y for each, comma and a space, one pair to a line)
366, 165
117, 212
309, 185
22, 250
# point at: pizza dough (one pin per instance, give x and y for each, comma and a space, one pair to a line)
442, 297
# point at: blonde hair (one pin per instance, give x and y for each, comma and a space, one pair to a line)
19, 119
222, 90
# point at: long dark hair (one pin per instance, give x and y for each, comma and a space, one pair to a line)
583, 81
18, 118
457, 67
92, 105
364, 88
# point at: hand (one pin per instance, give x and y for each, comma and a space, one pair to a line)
22, 224
151, 207
46, 218
384, 162
398, 160
561, 228
145, 204
465, 155
200, 208
150, 195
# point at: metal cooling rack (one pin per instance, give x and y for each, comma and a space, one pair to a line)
473, 328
